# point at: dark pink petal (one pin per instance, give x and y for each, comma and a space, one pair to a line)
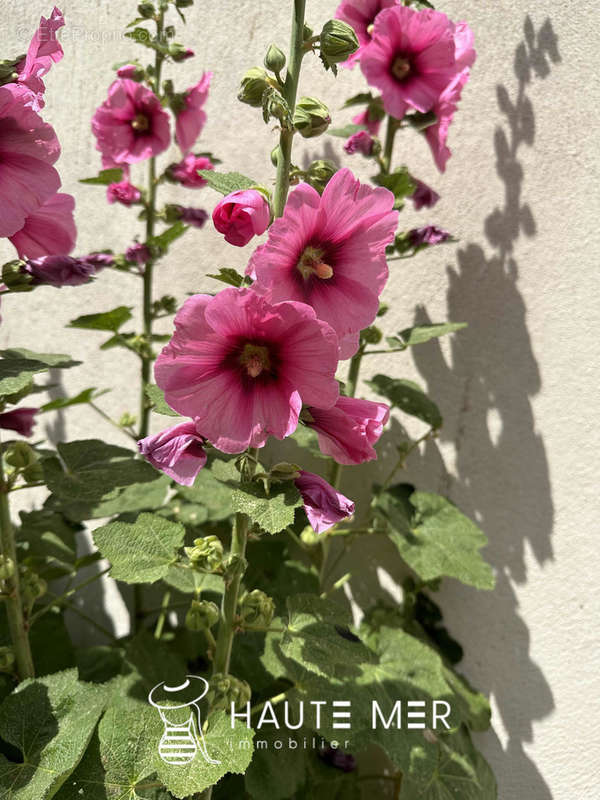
324, 506
177, 452
21, 420
48, 231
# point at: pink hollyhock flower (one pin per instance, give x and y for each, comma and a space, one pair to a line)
241, 366
59, 271
329, 251
242, 215
130, 125
423, 196
131, 71
192, 117
369, 119
28, 148
138, 253
177, 452
360, 142
44, 50
429, 235
48, 231
324, 506
21, 420
196, 217
186, 171
348, 431
360, 15
123, 192
414, 57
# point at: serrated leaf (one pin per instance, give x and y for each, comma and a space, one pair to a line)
85, 396
408, 397
229, 276
399, 182
167, 237
348, 130
157, 398
433, 537
47, 543
226, 182
213, 489
18, 366
50, 721
105, 176
142, 551
360, 99
104, 321
147, 496
273, 512
423, 333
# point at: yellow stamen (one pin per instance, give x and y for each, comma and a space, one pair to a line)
401, 68
255, 358
140, 123
311, 263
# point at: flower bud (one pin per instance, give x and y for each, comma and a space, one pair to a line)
256, 610
274, 105
254, 84
20, 455
201, 615
311, 117
275, 155
7, 659
371, 335
206, 554
338, 41
7, 567
184, 3
146, 9
32, 587
284, 472
225, 690
275, 59
320, 173
179, 52
309, 537
234, 567
132, 71
15, 278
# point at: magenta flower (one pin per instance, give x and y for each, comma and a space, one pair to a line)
429, 235
413, 58
186, 171
242, 215
348, 431
28, 148
130, 71
20, 420
130, 125
423, 196
123, 192
98, 261
176, 451
241, 366
324, 506
196, 217
138, 253
192, 117
360, 142
329, 251
370, 120
49, 230
360, 15
43, 51
59, 271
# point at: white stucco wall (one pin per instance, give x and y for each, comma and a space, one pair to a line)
518, 389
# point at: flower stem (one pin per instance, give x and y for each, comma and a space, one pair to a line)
17, 623
388, 148
290, 91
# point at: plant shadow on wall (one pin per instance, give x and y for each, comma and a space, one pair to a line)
501, 476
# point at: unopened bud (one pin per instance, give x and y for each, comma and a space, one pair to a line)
311, 117
320, 173
7, 568
274, 105
337, 42
225, 690
184, 3
275, 59
371, 335
256, 610
20, 455
206, 554
7, 659
146, 9
179, 53
308, 536
201, 615
32, 587
15, 278
234, 567
254, 84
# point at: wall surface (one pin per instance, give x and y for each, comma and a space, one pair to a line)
518, 388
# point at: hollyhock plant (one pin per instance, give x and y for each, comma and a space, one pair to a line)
423, 196
329, 251
130, 125
59, 270
348, 431
123, 192
186, 171
429, 235
242, 366
176, 451
28, 149
20, 420
324, 505
132, 71
360, 142
191, 118
43, 51
361, 15
242, 215
50, 230
138, 253
414, 56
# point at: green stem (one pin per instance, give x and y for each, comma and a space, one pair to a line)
290, 91
160, 623
58, 600
17, 623
388, 148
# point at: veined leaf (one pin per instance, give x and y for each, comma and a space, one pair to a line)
105, 177
408, 397
226, 182
104, 321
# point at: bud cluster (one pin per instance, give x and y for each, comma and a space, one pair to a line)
206, 555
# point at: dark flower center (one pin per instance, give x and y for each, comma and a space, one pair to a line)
312, 262
401, 68
255, 359
140, 123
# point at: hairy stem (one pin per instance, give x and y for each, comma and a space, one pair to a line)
17, 624
388, 148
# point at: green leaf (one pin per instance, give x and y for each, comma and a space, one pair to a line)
105, 321
399, 182
105, 177
51, 645
348, 130
360, 99
140, 552
47, 543
18, 366
423, 333
226, 182
85, 396
147, 496
433, 537
167, 237
229, 276
212, 489
408, 397
157, 398
273, 512
50, 721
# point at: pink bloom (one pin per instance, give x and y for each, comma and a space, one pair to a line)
191, 119
242, 215
241, 367
59, 271
48, 231
196, 217
414, 57
98, 261
177, 452
360, 15
20, 420
324, 506
429, 235
130, 125
138, 253
329, 251
186, 171
123, 192
369, 119
423, 196
360, 142
348, 345
130, 71
28, 148
44, 50
348, 431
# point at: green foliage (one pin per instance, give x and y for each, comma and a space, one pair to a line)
226, 182
399, 182
274, 511
105, 321
346, 131
104, 177
229, 276
408, 397
167, 237
420, 334
85, 396
157, 398
18, 366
